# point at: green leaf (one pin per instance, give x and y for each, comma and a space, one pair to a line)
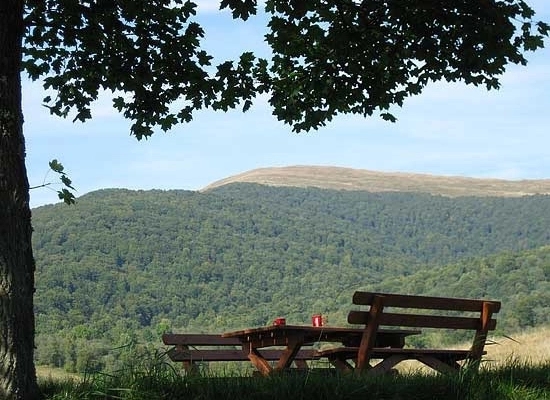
240, 8
56, 166
204, 58
543, 28
388, 117
119, 103
67, 197
247, 105
66, 181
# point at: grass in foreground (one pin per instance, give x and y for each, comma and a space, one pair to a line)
157, 379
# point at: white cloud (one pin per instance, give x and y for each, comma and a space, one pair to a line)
208, 6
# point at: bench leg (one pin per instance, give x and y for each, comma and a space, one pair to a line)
387, 364
438, 365
341, 364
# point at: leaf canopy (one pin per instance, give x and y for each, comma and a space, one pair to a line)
328, 57
146, 52
365, 56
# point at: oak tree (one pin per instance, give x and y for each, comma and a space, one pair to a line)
328, 58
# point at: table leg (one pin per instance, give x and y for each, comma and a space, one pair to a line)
341, 364
292, 348
189, 366
259, 362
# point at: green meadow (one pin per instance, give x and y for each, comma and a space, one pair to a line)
514, 368
158, 380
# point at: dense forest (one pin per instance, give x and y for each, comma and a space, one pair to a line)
124, 266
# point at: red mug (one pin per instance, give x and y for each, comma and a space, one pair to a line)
317, 320
279, 321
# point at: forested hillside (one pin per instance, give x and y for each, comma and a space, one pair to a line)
124, 266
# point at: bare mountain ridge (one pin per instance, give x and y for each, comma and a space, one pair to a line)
339, 178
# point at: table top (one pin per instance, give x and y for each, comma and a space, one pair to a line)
277, 334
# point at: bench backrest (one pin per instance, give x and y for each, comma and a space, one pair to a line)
425, 303
376, 316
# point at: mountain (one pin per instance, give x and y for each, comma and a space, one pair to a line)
123, 266
338, 178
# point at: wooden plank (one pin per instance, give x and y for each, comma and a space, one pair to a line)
302, 364
443, 361
260, 362
421, 321
351, 352
438, 365
208, 355
387, 364
481, 334
369, 335
341, 364
234, 355
344, 353
199, 339
424, 302
288, 354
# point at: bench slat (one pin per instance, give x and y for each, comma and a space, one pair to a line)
233, 355
424, 302
198, 339
351, 352
421, 321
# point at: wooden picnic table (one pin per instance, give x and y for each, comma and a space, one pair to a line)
193, 348
293, 337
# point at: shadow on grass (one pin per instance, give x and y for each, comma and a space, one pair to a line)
155, 378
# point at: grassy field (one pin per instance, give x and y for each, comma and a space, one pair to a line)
43, 372
529, 346
512, 381
516, 368
372, 181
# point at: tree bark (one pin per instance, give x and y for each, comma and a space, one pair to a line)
17, 371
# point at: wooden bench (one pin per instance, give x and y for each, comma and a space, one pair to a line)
441, 360
192, 348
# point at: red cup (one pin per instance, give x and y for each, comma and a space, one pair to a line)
317, 320
279, 321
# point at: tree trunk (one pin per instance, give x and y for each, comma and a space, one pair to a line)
17, 372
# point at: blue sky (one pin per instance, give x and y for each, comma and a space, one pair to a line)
450, 129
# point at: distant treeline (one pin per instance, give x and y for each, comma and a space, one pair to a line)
123, 266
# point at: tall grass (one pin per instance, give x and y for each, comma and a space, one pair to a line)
530, 345
152, 377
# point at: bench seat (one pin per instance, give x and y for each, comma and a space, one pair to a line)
197, 355
434, 358
198, 339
